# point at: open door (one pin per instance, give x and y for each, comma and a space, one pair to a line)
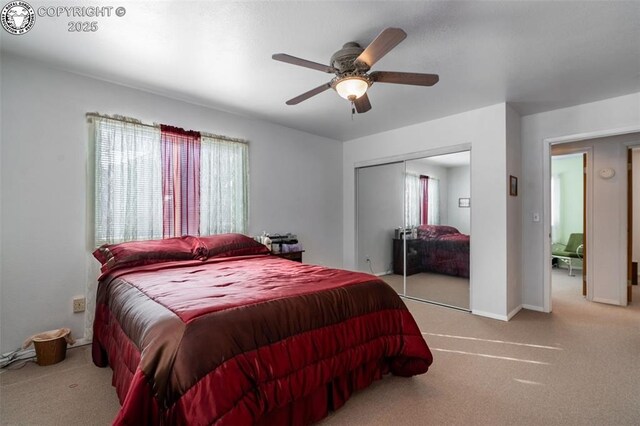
584, 224
630, 270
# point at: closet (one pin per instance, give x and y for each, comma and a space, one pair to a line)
413, 226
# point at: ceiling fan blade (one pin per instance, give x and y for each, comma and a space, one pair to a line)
415, 79
362, 104
307, 95
283, 57
381, 45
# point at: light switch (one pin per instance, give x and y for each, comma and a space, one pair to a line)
536, 217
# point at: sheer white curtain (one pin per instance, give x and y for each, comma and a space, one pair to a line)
412, 200
224, 171
128, 192
128, 181
433, 216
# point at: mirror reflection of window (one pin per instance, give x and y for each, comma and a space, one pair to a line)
422, 200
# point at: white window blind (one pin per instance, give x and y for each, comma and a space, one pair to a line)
128, 181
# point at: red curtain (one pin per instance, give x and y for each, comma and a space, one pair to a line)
180, 181
424, 195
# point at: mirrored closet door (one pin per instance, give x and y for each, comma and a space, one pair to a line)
379, 210
437, 228
413, 226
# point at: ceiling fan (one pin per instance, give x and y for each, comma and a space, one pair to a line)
351, 65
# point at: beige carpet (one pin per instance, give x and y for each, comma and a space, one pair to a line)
579, 365
72, 392
453, 291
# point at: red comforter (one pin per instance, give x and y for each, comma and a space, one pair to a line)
248, 340
444, 250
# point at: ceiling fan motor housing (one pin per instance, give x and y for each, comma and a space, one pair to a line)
344, 60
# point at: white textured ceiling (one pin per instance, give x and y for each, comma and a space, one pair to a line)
537, 55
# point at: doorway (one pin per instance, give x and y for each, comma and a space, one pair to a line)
606, 259
568, 221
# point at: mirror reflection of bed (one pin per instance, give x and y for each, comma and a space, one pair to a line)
421, 206
437, 265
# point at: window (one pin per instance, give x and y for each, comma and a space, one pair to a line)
133, 200
555, 208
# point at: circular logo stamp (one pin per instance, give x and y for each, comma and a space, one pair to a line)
17, 17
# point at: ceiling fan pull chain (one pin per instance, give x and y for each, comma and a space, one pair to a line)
353, 110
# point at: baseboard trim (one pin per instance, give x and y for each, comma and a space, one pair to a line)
83, 341
513, 312
490, 315
382, 274
533, 308
496, 316
28, 354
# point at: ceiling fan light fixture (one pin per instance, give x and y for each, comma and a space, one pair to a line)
351, 88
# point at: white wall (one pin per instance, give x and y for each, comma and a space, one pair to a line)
636, 205
295, 186
485, 130
514, 214
614, 113
380, 196
459, 179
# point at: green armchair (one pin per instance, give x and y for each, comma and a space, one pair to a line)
570, 253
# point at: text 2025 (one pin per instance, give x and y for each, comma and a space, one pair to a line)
82, 27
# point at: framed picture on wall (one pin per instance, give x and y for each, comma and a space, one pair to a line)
464, 202
513, 186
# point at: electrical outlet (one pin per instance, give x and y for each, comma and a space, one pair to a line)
79, 304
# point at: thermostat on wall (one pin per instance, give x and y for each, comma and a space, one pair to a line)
607, 173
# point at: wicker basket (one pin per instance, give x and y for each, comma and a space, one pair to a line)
50, 351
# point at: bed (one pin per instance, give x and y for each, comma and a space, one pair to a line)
444, 250
214, 330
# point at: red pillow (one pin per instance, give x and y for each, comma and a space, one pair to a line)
435, 231
223, 245
136, 253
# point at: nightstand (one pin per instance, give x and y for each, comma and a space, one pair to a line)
296, 256
413, 256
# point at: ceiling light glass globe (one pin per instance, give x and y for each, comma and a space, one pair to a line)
352, 88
